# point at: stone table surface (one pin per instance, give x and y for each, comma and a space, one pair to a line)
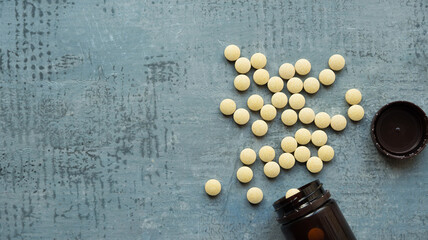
110, 123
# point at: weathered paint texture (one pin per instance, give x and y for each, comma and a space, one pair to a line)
110, 124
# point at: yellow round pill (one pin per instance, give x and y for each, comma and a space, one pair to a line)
241, 116
302, 154
266, 153
314, 165
288, 144
289, 117
296, 101
254, 195
286, 160
356, 112
271, 169
327, 77
319, 138
275, 84
227, 106
255, 102
291, 192
258, 60
338, 122
326, 153
259, 128
241, 82
294, 85
244, 174
322, 120
303, 136
248, 156
232, 52
268, 112
311, 85
353, 96
242, 65
286, 71
306, 115
302, 66
279, 100
261, 76
212, 187
336, 62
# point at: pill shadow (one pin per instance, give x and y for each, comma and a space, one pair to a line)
254, 205
230, 117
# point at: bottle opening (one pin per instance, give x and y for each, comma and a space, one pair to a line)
310, 197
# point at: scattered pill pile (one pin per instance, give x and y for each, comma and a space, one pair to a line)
294, 147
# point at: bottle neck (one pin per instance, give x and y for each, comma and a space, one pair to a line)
311, 197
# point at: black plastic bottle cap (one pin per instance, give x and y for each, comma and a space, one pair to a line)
400, 130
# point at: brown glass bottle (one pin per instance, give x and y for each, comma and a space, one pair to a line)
312, 215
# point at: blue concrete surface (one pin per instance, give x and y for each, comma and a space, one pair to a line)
110, 124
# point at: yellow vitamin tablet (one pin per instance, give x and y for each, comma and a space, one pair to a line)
212, 187
311, 85
244, 174
336, 62
248, 156
302, 66
261, 76
295, 85
288, 144
306, 115
255, 102
319, 138
258, 60
303, 136
353, 96
279, 100
254, 195
322, 120
241, 82
227, 106
326, 153
289, 117
286, 160
302, 154
291, 192
297, 101
241, 116
268, 112
327, 77
266, 153
275, 84
314, 165
338, 122
286, 71
356, 112
242, 65
271, 169
232, 52
259, 128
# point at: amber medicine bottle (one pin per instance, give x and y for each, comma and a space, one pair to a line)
312, 215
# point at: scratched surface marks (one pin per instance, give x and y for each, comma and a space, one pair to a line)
110, 124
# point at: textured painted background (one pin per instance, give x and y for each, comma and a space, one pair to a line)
110, 124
